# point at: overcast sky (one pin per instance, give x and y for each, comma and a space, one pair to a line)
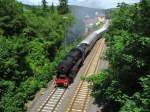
88, 3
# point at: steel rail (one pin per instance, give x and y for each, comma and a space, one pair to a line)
85, 74
49, 98
59, 100
95, 70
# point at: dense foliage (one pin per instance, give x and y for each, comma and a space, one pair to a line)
63, 6
125, 87
30, 49
44, 5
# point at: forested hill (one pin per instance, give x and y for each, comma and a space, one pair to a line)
125, 86
77, 11
30, 49
80, 14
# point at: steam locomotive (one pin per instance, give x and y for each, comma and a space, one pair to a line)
69, 66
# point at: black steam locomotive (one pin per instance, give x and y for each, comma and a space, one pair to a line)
70, 65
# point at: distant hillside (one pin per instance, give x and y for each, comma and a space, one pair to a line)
32, 6
109, 11
80, 13
76, 10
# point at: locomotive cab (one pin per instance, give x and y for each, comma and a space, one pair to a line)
63, 80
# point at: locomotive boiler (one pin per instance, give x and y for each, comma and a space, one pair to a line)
69, 66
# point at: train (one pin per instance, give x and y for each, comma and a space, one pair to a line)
70, 65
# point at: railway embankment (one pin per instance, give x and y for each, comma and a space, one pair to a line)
77, 93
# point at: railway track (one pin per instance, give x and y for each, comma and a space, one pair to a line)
81, 98
53, 101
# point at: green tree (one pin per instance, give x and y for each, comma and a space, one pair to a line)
29, 51
11, 17
126, 89
63, 7
44, 5
144, 16
52, 8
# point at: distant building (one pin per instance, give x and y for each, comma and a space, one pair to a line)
101, 18
89, 23
92, 22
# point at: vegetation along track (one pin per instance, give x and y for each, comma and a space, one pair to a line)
81, 98
53, 101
